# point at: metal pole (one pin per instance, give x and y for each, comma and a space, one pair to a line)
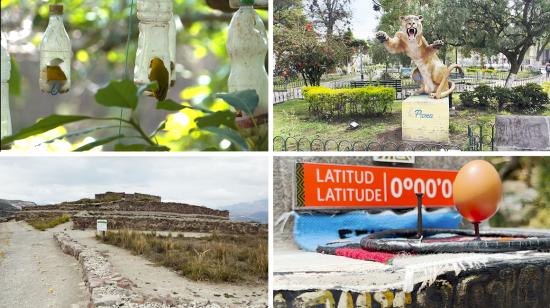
362, 76
419, 226
476, 228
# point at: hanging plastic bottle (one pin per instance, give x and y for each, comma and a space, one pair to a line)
235, 4
172, 44
153, 53
247, 48
5, 120
55, 55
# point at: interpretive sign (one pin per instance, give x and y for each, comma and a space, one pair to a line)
101, 225
522, 133
346, 186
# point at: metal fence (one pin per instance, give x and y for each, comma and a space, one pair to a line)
480, 137
298, 144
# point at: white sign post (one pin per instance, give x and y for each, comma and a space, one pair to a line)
102, 227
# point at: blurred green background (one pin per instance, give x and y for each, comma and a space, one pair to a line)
526, 193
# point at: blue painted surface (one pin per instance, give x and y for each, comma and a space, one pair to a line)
313, 230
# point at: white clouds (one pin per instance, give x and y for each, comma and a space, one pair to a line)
209, 181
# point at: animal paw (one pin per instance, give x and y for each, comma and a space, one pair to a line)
438, 44
382, 36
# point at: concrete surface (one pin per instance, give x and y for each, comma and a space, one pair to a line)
34, 272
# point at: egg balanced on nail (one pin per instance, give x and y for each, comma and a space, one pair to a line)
477, 191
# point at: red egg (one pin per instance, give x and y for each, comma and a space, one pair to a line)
477, 191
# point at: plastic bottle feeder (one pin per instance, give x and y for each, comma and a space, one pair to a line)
247, 47
55, 55
5, 117
156, 40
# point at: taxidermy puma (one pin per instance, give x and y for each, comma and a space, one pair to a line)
410, 40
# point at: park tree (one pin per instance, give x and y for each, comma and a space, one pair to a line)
542, 44
378, 54
510, 27
329, 15
300, 49
287, 13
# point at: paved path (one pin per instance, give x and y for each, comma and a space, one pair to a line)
159, 281
34, 272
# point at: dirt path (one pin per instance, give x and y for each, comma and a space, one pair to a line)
34, 272
158, 281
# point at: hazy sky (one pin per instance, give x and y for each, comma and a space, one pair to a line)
364, 19
208, 181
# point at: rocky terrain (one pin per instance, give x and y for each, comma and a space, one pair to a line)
11, 207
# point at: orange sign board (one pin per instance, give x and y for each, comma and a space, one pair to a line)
328, 185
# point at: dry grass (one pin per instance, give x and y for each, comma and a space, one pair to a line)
217, 258
47, 223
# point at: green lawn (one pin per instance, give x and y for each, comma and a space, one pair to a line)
292, 119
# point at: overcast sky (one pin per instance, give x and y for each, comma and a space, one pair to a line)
208, 181
364, 19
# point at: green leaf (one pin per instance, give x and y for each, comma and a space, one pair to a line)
15, 78
230, 135
118, 94
216, 119
82, 132
140, 148
97, 143
171, 105
161, 126
42, 126
152, 86
245, 101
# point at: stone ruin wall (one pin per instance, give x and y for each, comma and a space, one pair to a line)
114, 196
130, 206
176, 225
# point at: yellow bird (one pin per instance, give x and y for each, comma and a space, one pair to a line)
159, 73
54, 72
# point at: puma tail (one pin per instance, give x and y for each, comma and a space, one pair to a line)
438, 93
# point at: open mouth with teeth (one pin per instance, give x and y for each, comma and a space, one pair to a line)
411, 32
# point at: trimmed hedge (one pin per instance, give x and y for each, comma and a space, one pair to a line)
527, 99
370, 101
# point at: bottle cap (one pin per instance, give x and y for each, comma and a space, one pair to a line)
247, 2
56, 9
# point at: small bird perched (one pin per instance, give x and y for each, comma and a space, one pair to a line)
55, 77
159, 73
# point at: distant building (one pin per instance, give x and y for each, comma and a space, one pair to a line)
114, 196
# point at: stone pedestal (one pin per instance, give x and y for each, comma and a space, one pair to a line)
425, 119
